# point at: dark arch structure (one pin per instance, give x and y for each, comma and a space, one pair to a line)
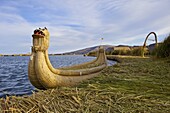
144, 45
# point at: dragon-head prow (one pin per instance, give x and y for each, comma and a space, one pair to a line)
41, 32
40, 39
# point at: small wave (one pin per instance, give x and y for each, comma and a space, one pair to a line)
14, 72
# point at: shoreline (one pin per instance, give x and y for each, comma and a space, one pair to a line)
4, 55
134, 85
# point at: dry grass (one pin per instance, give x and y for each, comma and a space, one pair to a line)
134, 85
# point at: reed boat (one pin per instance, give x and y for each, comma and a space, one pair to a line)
43, 75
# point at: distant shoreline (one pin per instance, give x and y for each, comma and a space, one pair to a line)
15, 55
1, 55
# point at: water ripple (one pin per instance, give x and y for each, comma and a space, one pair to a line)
14, 72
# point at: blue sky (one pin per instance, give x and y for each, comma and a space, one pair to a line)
77, 24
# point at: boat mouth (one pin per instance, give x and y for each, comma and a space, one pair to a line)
39, 32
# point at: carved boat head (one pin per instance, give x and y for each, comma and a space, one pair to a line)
40, 39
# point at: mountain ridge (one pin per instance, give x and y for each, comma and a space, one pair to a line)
106, 47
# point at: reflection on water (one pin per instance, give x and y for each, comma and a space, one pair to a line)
14, 72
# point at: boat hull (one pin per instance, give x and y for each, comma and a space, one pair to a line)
43, 75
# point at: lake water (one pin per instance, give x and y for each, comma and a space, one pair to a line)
14, 72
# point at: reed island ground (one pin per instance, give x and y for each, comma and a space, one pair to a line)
135, 85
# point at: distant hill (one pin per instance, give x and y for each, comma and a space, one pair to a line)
86, 50
152, 46
106, 47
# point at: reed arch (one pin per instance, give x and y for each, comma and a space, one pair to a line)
144, 45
